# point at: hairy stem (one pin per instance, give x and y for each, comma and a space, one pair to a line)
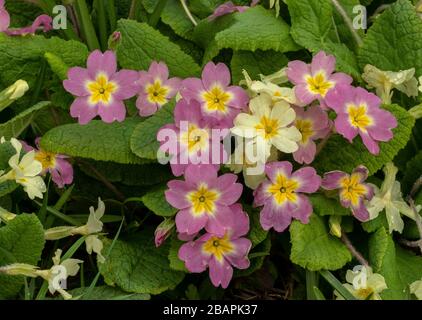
348, 22
188, 13
353, 250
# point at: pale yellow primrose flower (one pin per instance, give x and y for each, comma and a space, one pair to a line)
6, 216
12, 93
363, 284
416, 289
58, 273
385, 81
25, 171
90, 229
389, 198
268, 125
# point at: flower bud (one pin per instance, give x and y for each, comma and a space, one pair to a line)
20, 269
114, 40
163, 231
59, 233
12, 93
335, 226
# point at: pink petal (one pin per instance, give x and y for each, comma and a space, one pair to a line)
297, 70
303, 210
272, 169
189, 224
304, 95
192, 89
305, 153
239, 258
221, 221
191, 254
230, 194
323, 62
126, 80
260, 194
176, 195
308, 179
240, 226
344, 127
4, 19
341, 78
360, 212
215, 74
76, 82
159, 70
82, 110
240, 97
370, 143
145, 107
331, 180
220, 273
63, 173
115, 111
102, 62
274, 217
202, 173
175, 84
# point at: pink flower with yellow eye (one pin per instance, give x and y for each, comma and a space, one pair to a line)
189, 140
313, 81
56, 164
100, 89
203, 199
352, 190
313, 124
219, 100
282, 195
358, 112
156, 88
220, 253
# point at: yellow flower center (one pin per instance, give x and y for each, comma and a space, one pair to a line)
101, 89
157, 93
218, 247
318, 84
203, 200
195, 138
269, 127
306, 129
358, 117
364, 293
284, 189
47, 159
216, 99
352, 190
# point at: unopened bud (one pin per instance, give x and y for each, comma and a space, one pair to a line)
163, 231
12, 93
335, 226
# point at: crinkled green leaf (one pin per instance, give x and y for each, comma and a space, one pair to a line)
155, 201
324, 206
96, 140
21, 241
412, 173
6, 152
394, 41
144, 138
175, 262
141, 44
57, 65
256, 28
312, 23
174, 16
256, 233
314, 248
256, 63
108, 293
132, 175
339, 154
136, 265
7, 187
383, 260
15, 126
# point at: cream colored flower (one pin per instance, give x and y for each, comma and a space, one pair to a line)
12, 93
389, 198
25, 172
416, 289
363, 284
6, 216
91, 230
269, 125
385, 81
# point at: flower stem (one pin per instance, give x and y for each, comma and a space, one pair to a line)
87, 26
188, 13
353, 250
111, 11
102, 23
47, 6
134, 8
155, 16
348, 22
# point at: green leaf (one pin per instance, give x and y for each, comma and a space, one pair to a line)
142, 44
144, 138
409, 266
314, 248
21, 57
412, 173
312, 22
256, 63
15, 126
383, 260
339, 154
136, 265
108, 293
175, 262
156, 202
7, 187
6, 152
324, 206
130, 174
256, 233
21, 241
174, 16
256, 28
96, 140
394, 42
57, 65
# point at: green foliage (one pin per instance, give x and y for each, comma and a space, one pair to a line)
21, 241
156, 202
324, 206
314, 248
108, 293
